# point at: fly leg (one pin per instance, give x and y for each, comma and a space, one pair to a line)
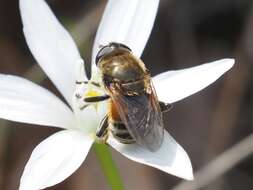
87, 82
81, 82
96, 98
165, 107
102, 131
93, 100
82, 88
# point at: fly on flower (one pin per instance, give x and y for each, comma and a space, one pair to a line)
135, 114
125, 84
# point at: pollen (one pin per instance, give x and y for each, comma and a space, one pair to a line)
92, 93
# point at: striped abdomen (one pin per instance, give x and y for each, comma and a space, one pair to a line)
117, 127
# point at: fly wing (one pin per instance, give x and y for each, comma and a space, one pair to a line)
142, 117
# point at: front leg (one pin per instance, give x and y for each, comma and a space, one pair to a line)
87, 101
87, 82
96, 98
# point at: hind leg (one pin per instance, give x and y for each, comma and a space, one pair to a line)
102, 131
165, 107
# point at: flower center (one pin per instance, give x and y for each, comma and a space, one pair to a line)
92, 93
89, 114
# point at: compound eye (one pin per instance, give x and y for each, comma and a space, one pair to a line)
125, 47
120, 46
102, 52
106, 50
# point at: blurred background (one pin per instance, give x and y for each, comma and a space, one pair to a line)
214, 126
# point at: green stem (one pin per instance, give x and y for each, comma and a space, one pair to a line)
108, 166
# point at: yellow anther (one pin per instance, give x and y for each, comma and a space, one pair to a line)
92, 93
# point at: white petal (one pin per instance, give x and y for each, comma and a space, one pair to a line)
89, 118
173, 86
170, 158
24, 101
80, 71
50, 44
55, 159
126, 21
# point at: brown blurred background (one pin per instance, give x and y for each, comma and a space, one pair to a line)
186, 33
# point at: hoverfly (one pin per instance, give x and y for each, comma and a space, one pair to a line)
135, 114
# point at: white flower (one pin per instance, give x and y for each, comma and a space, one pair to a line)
53, 160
